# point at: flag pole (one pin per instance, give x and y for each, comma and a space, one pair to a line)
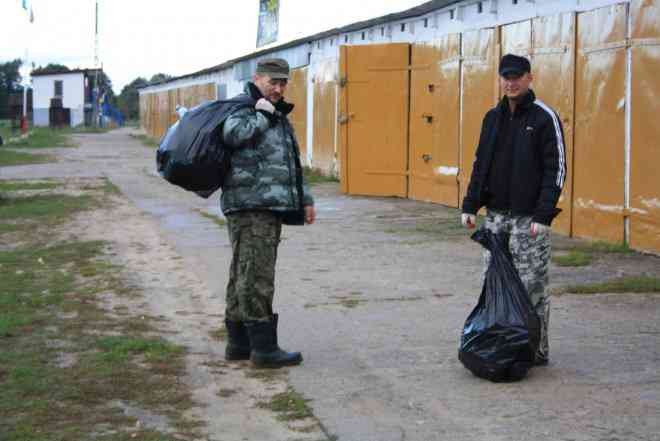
24, 119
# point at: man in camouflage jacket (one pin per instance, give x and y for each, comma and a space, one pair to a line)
263, 189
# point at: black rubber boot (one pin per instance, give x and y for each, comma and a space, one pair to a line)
265, 351
238, 342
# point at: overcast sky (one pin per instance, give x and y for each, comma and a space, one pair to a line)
144, 37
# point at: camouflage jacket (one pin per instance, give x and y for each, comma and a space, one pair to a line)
265, 172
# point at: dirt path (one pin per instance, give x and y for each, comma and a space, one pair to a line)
375, 300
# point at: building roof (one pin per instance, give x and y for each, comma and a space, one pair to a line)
416, 11
63, 72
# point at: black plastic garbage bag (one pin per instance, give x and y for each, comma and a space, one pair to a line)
501, 335
191, 154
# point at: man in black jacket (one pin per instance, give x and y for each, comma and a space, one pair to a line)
518, 175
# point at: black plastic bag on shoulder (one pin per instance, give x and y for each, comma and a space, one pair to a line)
501, 335
191, 154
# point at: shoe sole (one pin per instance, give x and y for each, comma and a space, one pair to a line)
266, 365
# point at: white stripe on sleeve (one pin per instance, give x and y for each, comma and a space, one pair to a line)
561, 174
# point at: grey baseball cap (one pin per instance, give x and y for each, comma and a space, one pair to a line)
276, 68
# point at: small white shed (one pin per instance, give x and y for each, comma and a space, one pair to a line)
73, 88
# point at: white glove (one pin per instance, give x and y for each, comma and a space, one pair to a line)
265, 105
468, 220
538, 228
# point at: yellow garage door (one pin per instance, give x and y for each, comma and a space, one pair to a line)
480, 93
434, 121
375, 119
599, 127
325, 116
297, 95
645, 151
553, 66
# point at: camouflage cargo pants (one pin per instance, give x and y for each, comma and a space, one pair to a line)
531, 257
254, 237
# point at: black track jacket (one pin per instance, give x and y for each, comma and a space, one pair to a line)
539, 162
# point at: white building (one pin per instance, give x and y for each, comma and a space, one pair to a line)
72, 88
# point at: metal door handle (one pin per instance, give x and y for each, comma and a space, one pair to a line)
426, 157
428, 116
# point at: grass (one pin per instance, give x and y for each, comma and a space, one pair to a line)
5, 129
27, 185
221, 222
433, 228
27, 213
633, 284
45, 137
573, 258
290, 405
51, 311
582, 254
10, 158
120, 348
146, 140
314, 176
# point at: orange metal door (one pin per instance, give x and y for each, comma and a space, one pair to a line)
480, 91
553, 67
645, 136
434, 121
297, 95
600, 124
375, 116
325, 117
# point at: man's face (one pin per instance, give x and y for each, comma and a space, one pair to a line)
515, 86
272, 89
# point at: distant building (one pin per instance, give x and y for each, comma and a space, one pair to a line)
55, 90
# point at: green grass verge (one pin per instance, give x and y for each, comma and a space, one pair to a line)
44, 137
604, 247
65, 362
573, 258
289, 405
313, 176
146, 140
221, 222
633, 284
27, 185
11, 157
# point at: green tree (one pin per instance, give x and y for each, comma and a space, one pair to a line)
51, 67
128, 100
10, 81
157, 78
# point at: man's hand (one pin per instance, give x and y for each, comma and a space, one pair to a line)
537, 228
310, 214
468, 220
265, 105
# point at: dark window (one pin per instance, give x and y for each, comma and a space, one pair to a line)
363, 35
451, 14
332, 41
403, 27
345, 38
318, 45
382, 31
58, 88
426, 22
480, 7
515, 2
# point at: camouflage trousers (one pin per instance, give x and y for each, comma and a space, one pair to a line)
531, 257
254, 236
